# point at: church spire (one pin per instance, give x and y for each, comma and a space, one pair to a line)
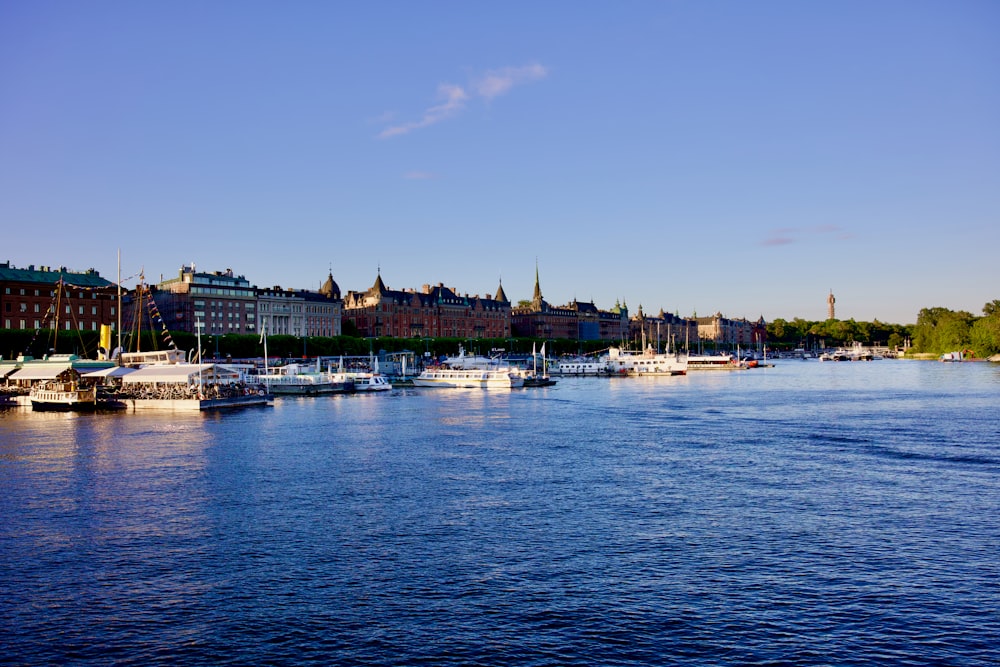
537, 297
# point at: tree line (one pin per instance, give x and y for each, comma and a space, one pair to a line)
937, 330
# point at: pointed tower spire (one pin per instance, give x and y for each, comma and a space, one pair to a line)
537, 297
379, 286
501, 295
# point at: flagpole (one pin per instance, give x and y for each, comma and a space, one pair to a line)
263, 339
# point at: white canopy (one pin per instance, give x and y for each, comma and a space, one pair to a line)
111, 372
181, 374
39, 371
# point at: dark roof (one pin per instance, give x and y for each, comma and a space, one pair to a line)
47, 276
330, 287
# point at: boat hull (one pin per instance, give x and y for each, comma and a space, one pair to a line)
311, 389
467, 379
63, 406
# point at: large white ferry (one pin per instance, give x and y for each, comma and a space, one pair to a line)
504, 378
647, 362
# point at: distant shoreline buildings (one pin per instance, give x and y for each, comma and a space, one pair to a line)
223, 302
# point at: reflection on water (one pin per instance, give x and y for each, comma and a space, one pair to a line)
800, 514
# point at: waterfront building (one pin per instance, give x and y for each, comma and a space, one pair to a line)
724, 332
577, 320
663, 331
432, 312
47, 297
300, 312
323, 315
224, 302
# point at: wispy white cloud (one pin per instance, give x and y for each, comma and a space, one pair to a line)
499, 82
454, 97
454, 101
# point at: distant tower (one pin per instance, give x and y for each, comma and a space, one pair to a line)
830, 313
536, 299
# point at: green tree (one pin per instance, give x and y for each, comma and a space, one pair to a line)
942, 330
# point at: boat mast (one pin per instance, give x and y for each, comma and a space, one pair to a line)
119, 304
263, 339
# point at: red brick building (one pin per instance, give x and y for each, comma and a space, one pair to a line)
432, 312
577, 320
47, 298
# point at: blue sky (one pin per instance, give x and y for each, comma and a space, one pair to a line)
697, 157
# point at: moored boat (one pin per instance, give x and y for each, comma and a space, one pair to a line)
647, 362
369, 381
300, 380
579, 367
716, 362
504, 378
65, 392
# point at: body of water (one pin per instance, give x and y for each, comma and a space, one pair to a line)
806, 514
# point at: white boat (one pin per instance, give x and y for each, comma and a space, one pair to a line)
299, 379
579, 367
647, 362
951, 356
503, 378
369, 381
64, 392
713, 362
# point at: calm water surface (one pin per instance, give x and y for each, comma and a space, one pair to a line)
807, 514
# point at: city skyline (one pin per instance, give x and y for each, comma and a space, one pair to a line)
695, 158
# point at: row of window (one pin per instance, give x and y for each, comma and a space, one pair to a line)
93, 326
217, 291
23, 291
23, 308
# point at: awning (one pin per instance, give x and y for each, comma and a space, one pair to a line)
111, 372
181, 374
38, 372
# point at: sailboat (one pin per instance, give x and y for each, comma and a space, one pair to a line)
534, 379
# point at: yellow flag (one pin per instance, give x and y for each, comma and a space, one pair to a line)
106, 336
